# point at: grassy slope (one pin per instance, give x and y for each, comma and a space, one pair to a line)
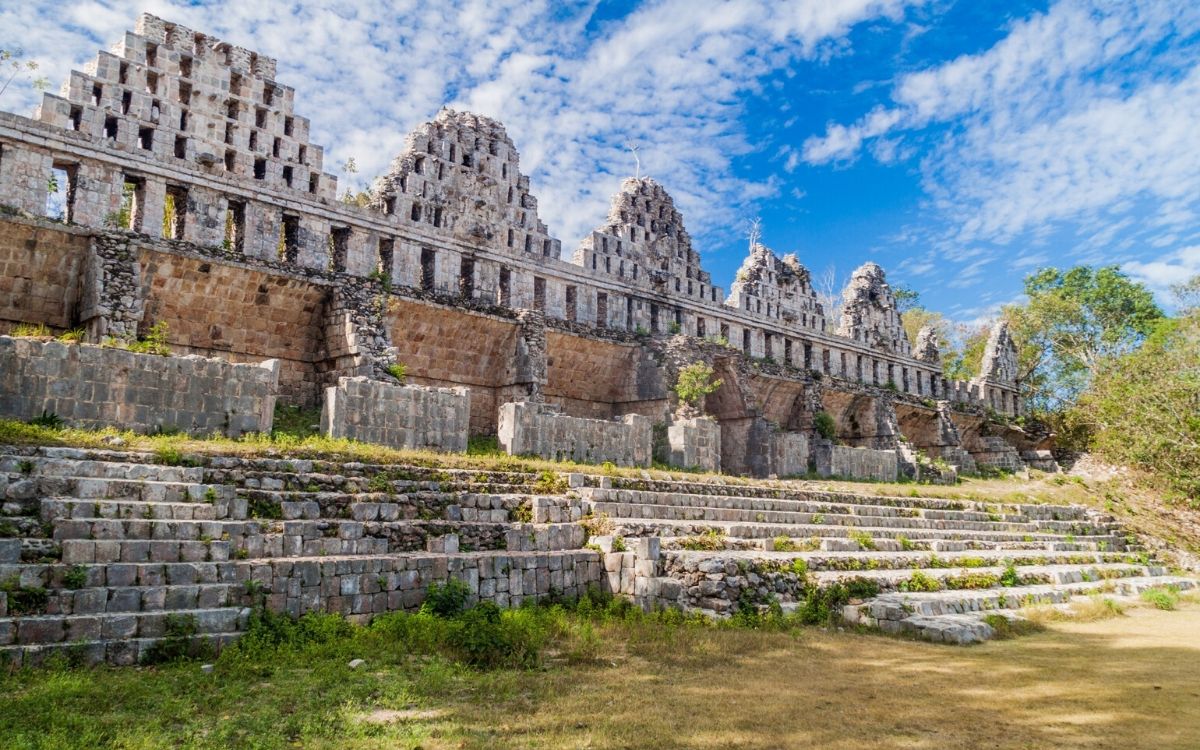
1127, 682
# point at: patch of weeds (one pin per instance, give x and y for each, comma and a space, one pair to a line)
1010, 577
24, 600
920, 581
260, 507
397, 371
75, 577
549, 483
597, 525
447, 599
1161, 597
710, 541
179, 642
618, 544
210, 495
47, 419
73, 336
154, 342
523, 513
864, 540
1003, 628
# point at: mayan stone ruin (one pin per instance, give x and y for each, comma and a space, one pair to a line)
195, 200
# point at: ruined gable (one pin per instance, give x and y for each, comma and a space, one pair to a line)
170, 93
869, 313
780, 289
928, 346
460, 175
999, 363
645, 244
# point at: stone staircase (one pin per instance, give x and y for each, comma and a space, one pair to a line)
929, 567
105, 554
109, 555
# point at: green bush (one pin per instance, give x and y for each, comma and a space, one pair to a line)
447, 599
695, 381
824, 425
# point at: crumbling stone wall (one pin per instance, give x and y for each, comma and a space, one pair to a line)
997, 370
398, 416
534, 429
789, 454
40, 274
91, 386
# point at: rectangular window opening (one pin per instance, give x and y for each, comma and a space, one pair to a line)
146, 139
287, 175
539, 293
289, 238
235, 227
175, 207
339, 245
260, 169
571, 303
180, 147
466, 278
601, 310
126, 102
505, 294
387, 254
428, 268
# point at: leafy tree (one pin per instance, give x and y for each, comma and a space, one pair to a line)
1143, 407
906, 298
1187, 294
1074, 323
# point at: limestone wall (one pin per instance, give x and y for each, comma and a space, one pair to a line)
92, 386
695, 444
855, 463
398, 416
532, 429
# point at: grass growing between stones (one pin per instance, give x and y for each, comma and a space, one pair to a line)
603, 679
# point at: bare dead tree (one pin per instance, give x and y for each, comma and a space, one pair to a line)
829, 294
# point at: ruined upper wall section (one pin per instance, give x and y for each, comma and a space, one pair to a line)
172, 93
928, 346
869, 312
779, 289
460, 174
645, 244
999, 363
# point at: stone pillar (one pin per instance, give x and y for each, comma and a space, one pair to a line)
529, 365
111, 301
356, 335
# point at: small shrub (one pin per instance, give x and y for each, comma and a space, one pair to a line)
169, 455
1161, 597
75, 578
397, 371
919, 581
906, 544
549, 483
178, 642
447, 599
1010, 577
710, 541
1003, 628
597, 525
864, 540
154, 342
24, 600
618, 544
825, 425
523, 513
47, 419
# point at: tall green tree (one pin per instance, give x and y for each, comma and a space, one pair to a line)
1074, 324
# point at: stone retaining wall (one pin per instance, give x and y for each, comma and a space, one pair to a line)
855, 463
532, 429
398, 416
789, 454
695, 444
92, 387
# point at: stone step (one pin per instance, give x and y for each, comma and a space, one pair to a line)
806, 491
862, 505
112, 599
68, 508
956, 578
907, 561
70, 467
643, 526
370, 506
51, 629
124, 652
958, 616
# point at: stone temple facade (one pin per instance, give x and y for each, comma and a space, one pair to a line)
193, 197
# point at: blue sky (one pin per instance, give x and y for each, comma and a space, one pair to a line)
960, 144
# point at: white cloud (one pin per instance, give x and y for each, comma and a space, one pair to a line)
1172, 268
